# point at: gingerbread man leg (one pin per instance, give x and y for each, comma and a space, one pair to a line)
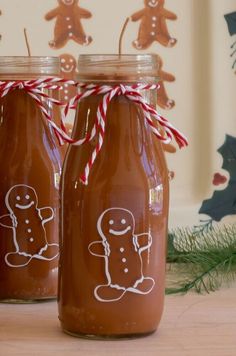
16, 259
165, 103
143, 41
144, 286
48, 253
166, 40
82, 39
59, 41
108, 293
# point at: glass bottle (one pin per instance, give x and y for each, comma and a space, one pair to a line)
29, 195
113, 231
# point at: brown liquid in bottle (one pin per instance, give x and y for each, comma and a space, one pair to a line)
113, 231
29, 199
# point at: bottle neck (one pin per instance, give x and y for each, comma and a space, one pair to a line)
21, 118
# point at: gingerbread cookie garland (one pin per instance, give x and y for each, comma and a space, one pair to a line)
68, 24
68, 71
27, 222
153, 27
162, 99
120, 223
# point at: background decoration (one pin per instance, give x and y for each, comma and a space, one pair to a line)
68, 71
223, 202
0, 15
153, 28
162, 98
231, 22
68, 25
153, 25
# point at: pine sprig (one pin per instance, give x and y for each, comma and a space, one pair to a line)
203, 262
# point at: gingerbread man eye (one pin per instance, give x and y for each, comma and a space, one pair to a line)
18, 197
111, 222
123, 221
71, 60
27, 197
63, 60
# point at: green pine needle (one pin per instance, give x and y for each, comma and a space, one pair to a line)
202, 261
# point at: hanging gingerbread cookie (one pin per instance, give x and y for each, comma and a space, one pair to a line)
162, 98
68, 71
68, 25
153, 25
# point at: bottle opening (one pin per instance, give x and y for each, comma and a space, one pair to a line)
29, 66
115, 67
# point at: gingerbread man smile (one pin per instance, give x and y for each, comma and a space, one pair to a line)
19, 206
68, 2
153, 3
119, 232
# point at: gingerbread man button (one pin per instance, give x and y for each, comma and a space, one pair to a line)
27, 222
153, 25
68, 24
123, 252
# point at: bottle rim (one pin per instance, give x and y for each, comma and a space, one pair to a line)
41, 65
109, 67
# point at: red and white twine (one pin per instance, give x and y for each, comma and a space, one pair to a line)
35, 88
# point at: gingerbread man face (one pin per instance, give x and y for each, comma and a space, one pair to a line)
21, 197
68, 64
116, 223
154, 3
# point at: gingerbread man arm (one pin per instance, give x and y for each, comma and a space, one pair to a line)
97, 249
167, 77
6, 221
46, 214
82, 13
52, 14
138, 15
143, 242
169, 15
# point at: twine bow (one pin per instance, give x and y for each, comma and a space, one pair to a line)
132, 93
35, 88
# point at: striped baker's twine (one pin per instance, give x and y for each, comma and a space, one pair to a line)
99, 128
35, 89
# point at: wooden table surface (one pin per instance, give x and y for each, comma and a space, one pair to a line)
191, 325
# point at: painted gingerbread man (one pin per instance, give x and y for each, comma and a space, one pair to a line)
68, 24
122, 251
153, 25
27, 222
